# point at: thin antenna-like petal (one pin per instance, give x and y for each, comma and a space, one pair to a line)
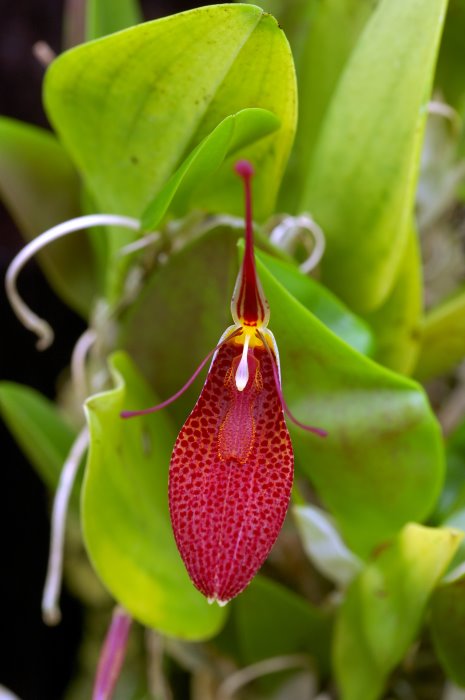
50, 599
309, 428
28, 318
190, 381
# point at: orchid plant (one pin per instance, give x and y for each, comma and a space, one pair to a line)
138, 217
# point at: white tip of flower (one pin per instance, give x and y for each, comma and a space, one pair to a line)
221, 603
242, 372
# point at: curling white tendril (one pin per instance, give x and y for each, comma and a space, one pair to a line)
291, 228
28, 318
50, 605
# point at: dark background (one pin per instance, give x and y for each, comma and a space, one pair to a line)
36, 662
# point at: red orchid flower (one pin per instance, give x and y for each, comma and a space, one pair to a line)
231, 471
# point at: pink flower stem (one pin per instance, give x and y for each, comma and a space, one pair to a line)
112, 655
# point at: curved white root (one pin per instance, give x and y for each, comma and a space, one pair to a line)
291, 228
50, 599
238, 679
28, 318
78, 362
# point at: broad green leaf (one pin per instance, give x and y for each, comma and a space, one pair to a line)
448, 627
331, 33
384, 607
181, 313
271, 621
382, 462
38, 428
39, 186
234, 132
106, 16
322, 303
449, 75
361, 180
125, 511
132, 106
452, 498
324, 546
397, 321
442, 338
185, 307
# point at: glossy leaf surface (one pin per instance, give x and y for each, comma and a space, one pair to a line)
452, 497
40, 187
38, 428
325, 43
234, 132
361, 181
125, 512
322, 303
193, 315
384, 607
448, 627
382, 462
302, 627
397, 323
442, 338
105, 16
131, 107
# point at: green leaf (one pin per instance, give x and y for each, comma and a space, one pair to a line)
132, 106
382, 462
330, 36
322, 303
181, 313
384, 607
449, 75
324, 546
125, 511
397, 322
293, 16
234, 132
448, 627
193, 315
106, 16
38, 428
452, 498
39, 186
442, 338
361, 181
271, 621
